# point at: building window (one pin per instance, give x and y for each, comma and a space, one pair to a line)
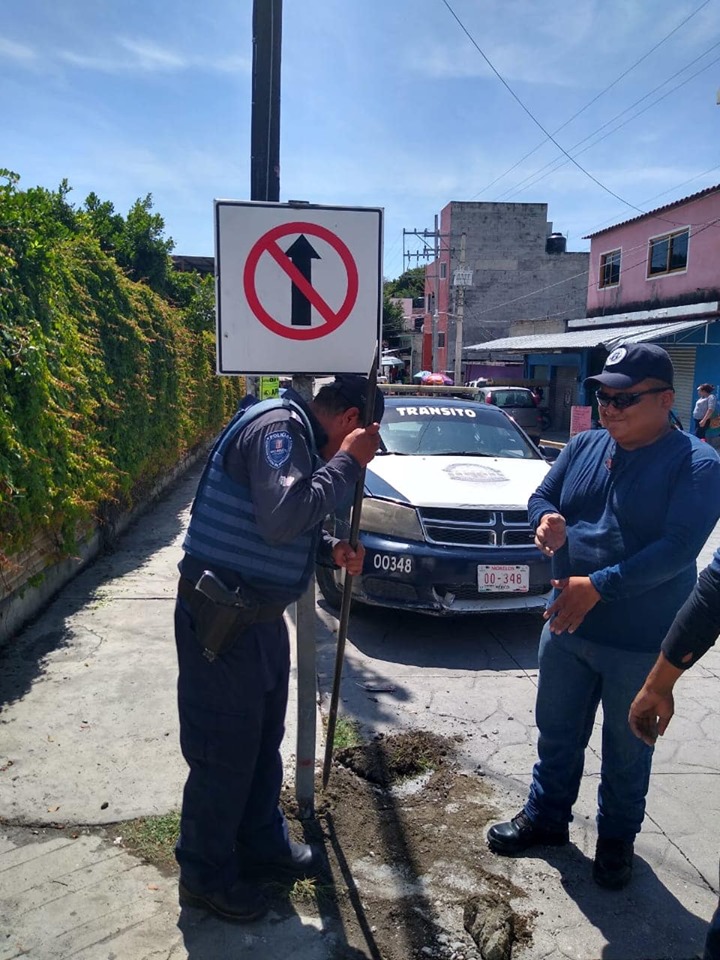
610, 269
441, 339
668, 253
443, 270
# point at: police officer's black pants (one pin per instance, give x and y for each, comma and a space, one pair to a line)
232, 716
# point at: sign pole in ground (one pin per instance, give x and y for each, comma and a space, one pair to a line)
347, 589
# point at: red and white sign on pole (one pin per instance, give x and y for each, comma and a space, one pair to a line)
299, 287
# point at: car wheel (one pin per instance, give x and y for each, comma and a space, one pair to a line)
329, 587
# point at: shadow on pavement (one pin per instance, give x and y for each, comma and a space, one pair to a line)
643, 920
23, 658
472, 642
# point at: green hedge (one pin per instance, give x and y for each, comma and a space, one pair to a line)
104, 384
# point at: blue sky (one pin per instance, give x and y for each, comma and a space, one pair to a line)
384, 103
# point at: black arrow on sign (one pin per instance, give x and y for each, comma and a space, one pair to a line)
301, 254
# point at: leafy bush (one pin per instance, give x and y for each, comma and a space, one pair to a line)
104, 383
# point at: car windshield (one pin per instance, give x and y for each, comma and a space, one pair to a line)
414, 430
513, 398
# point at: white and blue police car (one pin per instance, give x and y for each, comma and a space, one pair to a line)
444, 519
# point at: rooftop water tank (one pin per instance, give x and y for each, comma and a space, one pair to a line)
555, 243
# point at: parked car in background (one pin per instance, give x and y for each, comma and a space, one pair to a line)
444, 520
519, 403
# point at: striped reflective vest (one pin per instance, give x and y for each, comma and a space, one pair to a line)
223, 529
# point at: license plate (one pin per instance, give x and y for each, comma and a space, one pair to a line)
503, 578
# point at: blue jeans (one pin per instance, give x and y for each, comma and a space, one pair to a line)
575, 676
232, 721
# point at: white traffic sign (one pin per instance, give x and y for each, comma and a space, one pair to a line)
299, 287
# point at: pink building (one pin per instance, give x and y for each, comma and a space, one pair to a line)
665, 258
654, 278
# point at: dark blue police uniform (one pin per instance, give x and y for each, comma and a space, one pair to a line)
256, 523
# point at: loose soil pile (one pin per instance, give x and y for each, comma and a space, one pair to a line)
405, 835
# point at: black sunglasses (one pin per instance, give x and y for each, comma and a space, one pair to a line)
621, 401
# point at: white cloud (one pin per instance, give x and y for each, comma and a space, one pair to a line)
144, 56
16, 51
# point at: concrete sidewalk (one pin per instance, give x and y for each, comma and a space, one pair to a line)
88, 736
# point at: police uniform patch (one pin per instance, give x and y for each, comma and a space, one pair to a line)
278, 447
616, 356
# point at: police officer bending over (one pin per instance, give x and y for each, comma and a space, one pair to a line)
274, 474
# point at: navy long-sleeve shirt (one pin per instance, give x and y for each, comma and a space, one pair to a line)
697, 625
636, 521
289, 497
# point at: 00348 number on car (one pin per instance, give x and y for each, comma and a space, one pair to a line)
383, 561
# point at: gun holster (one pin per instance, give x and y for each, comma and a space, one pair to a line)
218, 625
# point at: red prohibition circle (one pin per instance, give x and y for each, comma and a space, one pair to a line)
268, 244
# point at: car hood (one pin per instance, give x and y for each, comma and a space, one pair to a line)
490, 482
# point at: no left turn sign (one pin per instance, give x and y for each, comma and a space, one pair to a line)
298, 287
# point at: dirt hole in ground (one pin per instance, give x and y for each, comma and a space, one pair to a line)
387, 760
404, 831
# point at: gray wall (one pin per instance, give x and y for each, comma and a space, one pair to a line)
505, 248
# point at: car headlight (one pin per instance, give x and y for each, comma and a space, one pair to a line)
390, 519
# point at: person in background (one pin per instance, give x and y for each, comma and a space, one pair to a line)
694, 630
704, 409
274, 474
623, 512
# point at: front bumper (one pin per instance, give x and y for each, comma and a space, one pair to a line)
442, 580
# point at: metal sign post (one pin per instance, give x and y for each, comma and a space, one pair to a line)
305, 628
347, 588
299, 291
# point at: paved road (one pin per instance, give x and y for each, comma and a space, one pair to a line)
88, 735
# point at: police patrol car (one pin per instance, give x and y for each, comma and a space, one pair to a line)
444, 519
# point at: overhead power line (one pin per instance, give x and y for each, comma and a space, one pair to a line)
556, 163
596, 97
532, 116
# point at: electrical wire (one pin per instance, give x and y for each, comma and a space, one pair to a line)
595, 98
585, 273
532, 116
558, 162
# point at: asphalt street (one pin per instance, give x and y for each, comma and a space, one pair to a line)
88, 736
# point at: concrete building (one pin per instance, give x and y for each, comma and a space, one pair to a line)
653, 278
513, 267
408, 345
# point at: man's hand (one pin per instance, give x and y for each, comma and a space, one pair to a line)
577, 598
550, 534
650, 714
652, 709
363, 443
344, 556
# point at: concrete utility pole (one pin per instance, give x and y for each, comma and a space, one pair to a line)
426, 254
265, 185
459, 314
435, 316
265, 123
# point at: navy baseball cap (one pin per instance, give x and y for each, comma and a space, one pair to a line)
354, 389
633, 362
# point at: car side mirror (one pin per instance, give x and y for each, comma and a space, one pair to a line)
549, 453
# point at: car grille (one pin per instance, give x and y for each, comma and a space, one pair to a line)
390, 590
518, 538
469, 591
476, 528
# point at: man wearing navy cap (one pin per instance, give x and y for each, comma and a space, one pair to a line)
275, 472
623, 513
